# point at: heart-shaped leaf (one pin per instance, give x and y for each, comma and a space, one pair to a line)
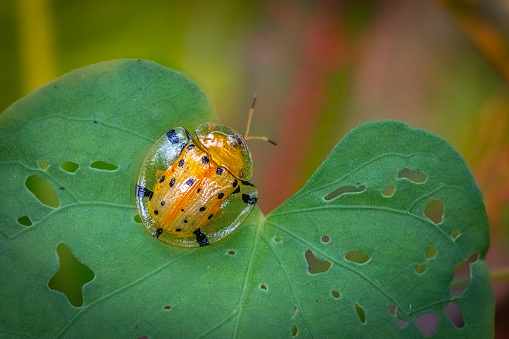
373, 244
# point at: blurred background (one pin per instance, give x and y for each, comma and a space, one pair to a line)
319, 68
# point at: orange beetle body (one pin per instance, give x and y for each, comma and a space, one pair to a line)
203, 193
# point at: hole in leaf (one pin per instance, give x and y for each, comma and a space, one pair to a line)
325, 238
137, 218
315, 265
401, 323
388, 191
415, 176
294, 331
345, 189
430, 252
358, 257
263, 287
278, 239
101, 165
293, 312
461, 279
43, 164
434, 211
231, 252
25, 221
473, 258
360, 313
43, 191
427, 323
69, 166
420, 268
454, 313
461, 276
392, 310
336, 294
167, 307
455, 233
71, 276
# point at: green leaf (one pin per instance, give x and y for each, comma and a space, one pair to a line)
368, 247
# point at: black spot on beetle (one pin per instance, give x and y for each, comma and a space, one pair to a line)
204, 160
190, 147
157, 233
181, 163
219, 171
172, 136
163, 203
202, 208
182, 210
185, 221
161, 179
172, 182
156, 212
201, 238
178, 230
220, 195
235, 183
198, 190
182, 146
210, 216
249, 199
143, 192
237, 190
190, 182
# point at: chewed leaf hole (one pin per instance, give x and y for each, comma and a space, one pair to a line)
325, 238
231, 252
294, 331
316, 265
356, 256
427, 323
415, 176
454, 314
278, 240
43, 191
69, 166
43, 164
293, 312
345, 189
434, 211
389, 191
25, 221
167, 307
401, 323
430, 252
263, 287
392, 310
101, 165
336, 294
360, 313
420, 268
461, 276
137, 218
71, 276
455, 233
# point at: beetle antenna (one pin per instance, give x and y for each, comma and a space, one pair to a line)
251, 111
